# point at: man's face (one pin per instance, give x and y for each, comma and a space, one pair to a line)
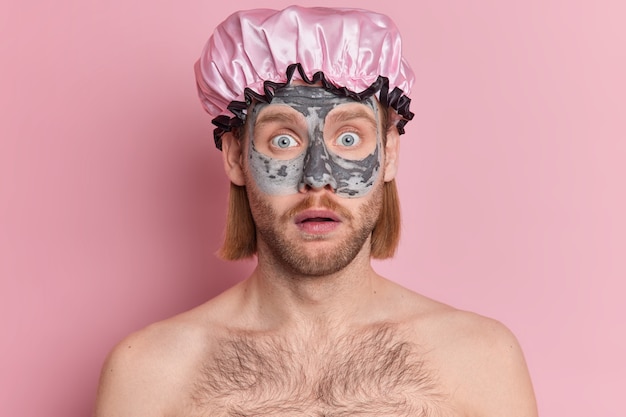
313, 165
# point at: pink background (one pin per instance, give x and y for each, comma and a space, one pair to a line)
112, 196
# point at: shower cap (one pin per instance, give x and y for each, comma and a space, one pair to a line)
350, 52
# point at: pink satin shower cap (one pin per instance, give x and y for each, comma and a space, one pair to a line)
351, 52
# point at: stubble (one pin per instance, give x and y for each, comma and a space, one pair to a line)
291, 253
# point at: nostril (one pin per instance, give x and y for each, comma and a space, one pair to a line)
308, 185
318, 181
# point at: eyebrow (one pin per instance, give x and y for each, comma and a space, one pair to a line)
277, 117
340, 116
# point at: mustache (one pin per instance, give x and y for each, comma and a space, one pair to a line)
323, 202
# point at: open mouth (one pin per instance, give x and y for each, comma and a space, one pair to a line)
316, 216
317, 221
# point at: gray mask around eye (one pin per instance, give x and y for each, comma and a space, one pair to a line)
317, 166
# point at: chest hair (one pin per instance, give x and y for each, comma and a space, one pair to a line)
369, 373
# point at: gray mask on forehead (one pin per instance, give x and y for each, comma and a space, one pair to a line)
316, 167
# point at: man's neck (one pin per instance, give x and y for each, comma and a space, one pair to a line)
284, 298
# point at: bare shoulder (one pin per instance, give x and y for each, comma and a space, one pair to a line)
144, 373
138, 374
479, 360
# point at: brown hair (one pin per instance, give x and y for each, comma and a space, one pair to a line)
240, 231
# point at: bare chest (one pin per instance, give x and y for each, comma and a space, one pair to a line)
373, 373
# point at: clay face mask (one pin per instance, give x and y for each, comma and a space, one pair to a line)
308, 136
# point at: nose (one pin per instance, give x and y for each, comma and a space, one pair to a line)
317, 171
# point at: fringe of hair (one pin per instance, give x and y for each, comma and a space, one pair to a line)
386, 233
240, 232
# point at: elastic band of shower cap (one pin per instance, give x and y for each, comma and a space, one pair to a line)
349, 52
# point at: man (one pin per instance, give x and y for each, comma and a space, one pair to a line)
309, 105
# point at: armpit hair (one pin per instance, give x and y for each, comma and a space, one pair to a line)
368, 373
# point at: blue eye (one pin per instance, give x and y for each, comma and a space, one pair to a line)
348, 139
284, 141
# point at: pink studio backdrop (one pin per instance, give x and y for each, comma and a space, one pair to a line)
112, 196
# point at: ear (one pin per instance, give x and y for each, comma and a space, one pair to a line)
233, 158
391, 154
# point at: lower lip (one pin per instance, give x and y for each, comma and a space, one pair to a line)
318, 228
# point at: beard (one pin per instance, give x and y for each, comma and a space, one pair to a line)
292, 255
